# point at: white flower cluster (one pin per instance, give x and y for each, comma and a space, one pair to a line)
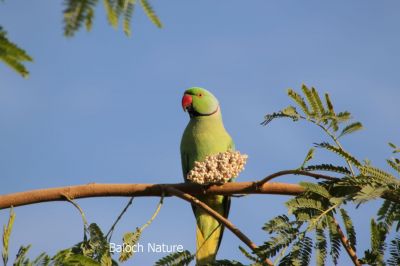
218, 168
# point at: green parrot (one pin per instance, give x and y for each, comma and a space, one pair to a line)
205, 135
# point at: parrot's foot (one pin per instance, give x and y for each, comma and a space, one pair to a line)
205, 188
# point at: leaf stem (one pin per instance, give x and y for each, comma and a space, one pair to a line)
110, 232
315, 221
339, 146
326, 130
160, 203
85, 223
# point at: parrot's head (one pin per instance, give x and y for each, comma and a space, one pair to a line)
199, 102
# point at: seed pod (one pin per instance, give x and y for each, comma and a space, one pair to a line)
218, 168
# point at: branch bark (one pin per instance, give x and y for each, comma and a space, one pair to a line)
295, 172
140, 190
345, 242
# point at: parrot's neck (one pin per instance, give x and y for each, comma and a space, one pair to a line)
210, 124
213, 117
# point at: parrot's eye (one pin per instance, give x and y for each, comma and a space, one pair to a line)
200, 94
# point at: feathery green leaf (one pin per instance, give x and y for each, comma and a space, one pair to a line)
329, 168
331, 112
150, 13
6, 236
351, 129
378, 175
378, 236
176, 259
285, 233
343, 117
304, 203
300, 253
277, 224
394, 250
248, 255
12, 55
368, 193
309, 96
76, 13
113, 12
329, 105
80, 260
21, 256
348, 225
320, 108
89, 20
309, 156
299, 100
227, 263
321, 247
130, 239
340, 152
316, 189
395, 148
21, 260
42, 260
389, 213
275, 244
129, 8
334, 239
394, 165
289, 112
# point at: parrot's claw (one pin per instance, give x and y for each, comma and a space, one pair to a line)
205, 188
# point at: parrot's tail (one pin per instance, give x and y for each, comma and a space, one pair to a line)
208, 230
207, 245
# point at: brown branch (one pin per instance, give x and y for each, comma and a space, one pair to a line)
140, 190
295, 172
346, 245
228, 224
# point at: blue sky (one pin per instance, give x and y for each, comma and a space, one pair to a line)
101, 107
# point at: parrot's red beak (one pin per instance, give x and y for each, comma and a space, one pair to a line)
186, 101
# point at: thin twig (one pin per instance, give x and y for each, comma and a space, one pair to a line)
315, 221
160, 203
110, 232
85, 223
228, 224
333, 137
294, 172
340, 147
283, 251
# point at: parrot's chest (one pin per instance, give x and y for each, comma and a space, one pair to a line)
200, 141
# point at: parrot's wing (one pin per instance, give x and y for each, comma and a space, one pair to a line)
227, 200
185, 164
231, 145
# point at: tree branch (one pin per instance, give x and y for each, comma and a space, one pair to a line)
140, 190
295, 172
228, 224
345, 242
